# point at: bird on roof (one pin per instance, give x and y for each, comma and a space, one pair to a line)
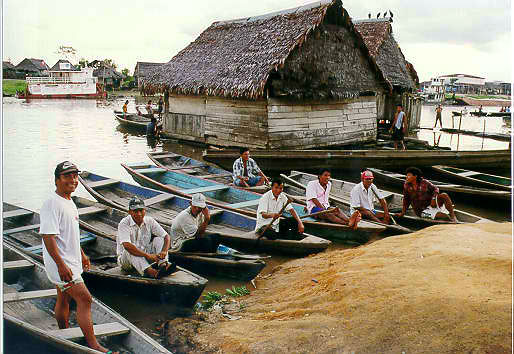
378, 15
369, 15
390, 14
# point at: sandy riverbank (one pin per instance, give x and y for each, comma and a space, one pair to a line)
440, 290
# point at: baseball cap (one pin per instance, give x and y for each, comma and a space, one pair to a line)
65, 167
367, 175
136, 203
198, 200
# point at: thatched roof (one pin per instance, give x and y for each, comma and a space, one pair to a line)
378, 36
235, 58
57, 66
143, 67
6, 65
34, 65
107, 72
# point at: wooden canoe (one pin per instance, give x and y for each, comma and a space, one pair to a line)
287, 160
499, 114
29, 300
187, 165
341, 190
478, 113
235, 230
132, 120
182, 287
398, 179
474, 178
242, 201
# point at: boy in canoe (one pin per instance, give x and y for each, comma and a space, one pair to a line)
246, 173
135, 248
317, 195
62, 255
425, 198
270, 205
362, 197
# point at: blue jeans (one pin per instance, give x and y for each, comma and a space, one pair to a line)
252, 182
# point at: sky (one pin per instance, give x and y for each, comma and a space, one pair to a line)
437, 36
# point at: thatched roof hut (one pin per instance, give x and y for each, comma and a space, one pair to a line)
6, 65
63, 65
275, 53
142, 69
33, 66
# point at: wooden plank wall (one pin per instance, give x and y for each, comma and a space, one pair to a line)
315, 124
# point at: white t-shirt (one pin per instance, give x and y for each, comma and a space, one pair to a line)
139, 236
399, 121
184, 227
269, 204
60, 217
362, 198
315, 190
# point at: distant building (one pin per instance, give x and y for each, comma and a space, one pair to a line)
434, 90
106, 74
33, 67
463, 83
498, 88
141, 70
8, 70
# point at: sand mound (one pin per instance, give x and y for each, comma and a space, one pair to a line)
443, 289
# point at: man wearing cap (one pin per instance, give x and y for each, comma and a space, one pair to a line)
135, 248
62, 255
188, 228
362, 199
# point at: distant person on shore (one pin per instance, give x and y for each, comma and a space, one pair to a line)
425, 198
149, 108
125, 109
502, 109
399, 127
246, 173
317, 195
63, 257
363, 196
507, 109
142, 244
480, 109
270, 205
438, 118
160, 107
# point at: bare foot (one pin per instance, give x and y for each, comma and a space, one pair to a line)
354, 219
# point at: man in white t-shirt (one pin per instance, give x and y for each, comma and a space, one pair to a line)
62, 255
362, 199
188, 228
399, 127
317, 195
135, 248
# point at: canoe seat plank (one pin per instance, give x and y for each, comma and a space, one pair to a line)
103, 183
207, 189
29, 295
151, 170
187, 167
90, 210
215, 212
18, 265
158, 198
84, 240
138, 164
467, 173
160, 156
216, 175
105, 329
17, 212
21, 229
245, 204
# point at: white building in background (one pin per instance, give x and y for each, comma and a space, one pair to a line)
463, 83
435, 91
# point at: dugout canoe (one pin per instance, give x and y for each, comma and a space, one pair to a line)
341, 191
313, 160
183, 288
398, 179
132, 120
474, 178
478, 113
242, 201
28, 305
235, 230
499, 114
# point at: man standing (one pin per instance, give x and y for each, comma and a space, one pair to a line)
188, 228
125, 109
270, 205
62, 255
438, 118
425, 198
362, 197
135, 248
149, 109
399, 127
318, 193
246, 172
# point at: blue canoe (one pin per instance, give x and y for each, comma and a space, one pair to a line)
235, 230
240, 201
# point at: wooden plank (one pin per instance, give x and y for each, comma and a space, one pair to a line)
151, 170
160, 156
28, 295
467, 173
90, 210
104, 329
158, 198
216, 175
103, 183
18, 265
185, 167
138, 164
217, 187
245, 204
21, 229
17, 212
39, 248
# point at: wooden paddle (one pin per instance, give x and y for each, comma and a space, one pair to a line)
218, 255
328, 211
274, 218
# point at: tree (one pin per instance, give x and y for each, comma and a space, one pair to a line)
125, 72
110, 63
83, 62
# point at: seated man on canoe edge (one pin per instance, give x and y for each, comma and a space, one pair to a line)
425, 198
362, 199
317, 195
188, 228
268, 211
135, 247
246, 173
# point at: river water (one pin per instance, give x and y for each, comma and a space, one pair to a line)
39, 134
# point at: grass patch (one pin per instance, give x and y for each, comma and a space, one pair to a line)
9, 86
479, 97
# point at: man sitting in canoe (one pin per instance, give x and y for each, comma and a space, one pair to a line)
188, 228
317, 195
246, 173
362, 197
135, 248
425, 198
270, 205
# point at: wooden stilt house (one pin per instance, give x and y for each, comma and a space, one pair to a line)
298, 78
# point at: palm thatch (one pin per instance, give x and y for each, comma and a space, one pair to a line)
142, 68
32, 65
245, 57
6, 65
378, 36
